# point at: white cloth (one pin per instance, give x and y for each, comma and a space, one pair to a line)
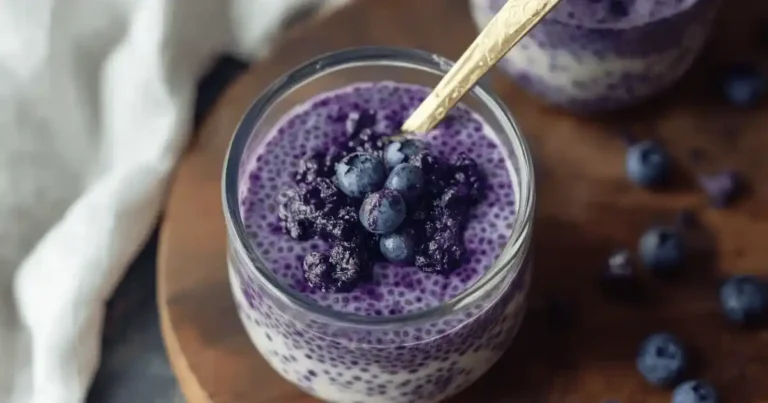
95, 109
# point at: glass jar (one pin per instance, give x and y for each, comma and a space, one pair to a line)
423, 356
597, 55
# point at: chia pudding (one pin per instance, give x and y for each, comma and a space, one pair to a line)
593, 55
403, 332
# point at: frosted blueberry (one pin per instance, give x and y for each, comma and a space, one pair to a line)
406, 179
382, 211
398, 247
360, 173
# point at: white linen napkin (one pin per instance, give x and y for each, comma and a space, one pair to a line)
95, 109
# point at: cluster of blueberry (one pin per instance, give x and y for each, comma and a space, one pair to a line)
371, 199
649, 165
661, 358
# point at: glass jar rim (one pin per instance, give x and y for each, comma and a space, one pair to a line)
372, 55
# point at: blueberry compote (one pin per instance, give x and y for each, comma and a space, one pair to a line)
363, 226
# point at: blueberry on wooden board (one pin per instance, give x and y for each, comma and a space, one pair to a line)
661, 359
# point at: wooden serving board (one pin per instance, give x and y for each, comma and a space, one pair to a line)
586, 208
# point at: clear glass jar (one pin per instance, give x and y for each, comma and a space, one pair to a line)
590, 56
344, 357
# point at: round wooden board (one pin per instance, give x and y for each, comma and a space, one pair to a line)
586, 208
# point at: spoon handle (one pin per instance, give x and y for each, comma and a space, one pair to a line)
510, 24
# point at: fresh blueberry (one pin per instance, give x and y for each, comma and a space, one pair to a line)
340, 271
406, 179
722, 187
360, 173
661, 359
647, 163
744, 300
662, 250
618, 279
398, 247
397, 152
696, 391
383, 211
744, 86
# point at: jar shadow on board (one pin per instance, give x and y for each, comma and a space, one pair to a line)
406, 335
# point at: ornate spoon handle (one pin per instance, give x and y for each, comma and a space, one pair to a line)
510, 24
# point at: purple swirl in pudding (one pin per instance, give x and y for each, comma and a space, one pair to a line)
593, 55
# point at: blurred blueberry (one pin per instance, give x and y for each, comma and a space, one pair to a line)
722, 187
661, 359
743, 86
744, 300
696, 391
618, 278
647, 163
662, 250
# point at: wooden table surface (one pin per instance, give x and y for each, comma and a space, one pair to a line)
586, 208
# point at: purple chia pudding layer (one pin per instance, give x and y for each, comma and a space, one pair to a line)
594, 55
322, 122
406, 361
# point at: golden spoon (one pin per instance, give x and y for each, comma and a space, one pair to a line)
510, 24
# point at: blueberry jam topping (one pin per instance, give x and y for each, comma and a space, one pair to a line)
745, 300
333, 275
647, 164
694, 391
661, 359
371, 202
